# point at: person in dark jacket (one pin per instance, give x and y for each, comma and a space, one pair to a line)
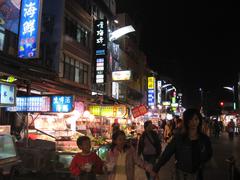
192, 149
149, 145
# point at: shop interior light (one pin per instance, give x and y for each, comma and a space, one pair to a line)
169, 116
32, 91
159, 106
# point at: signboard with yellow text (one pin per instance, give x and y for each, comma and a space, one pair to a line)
151, 91
151, 82
119, 111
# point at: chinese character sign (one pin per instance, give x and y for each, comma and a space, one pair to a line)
31, 104
151, 91
101, 34
151, 82
159, 92
30, 23
100, 30
139, 111
62, 103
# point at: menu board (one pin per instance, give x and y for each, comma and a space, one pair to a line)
32, 104
51, 103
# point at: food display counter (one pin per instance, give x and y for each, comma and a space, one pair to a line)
9, 158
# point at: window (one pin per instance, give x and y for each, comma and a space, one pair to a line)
79, 35
2, 36
94, 11
85, 72
75, 70
66, 67
81, 74
85, 4
76, 32
72, 70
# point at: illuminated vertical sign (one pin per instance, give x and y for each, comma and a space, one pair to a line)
159, 92
115, 90
100, 30
151, 82
9, 14
29, 32
151, 91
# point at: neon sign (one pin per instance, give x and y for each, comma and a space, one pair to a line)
29, 33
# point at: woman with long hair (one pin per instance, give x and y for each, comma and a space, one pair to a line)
191, 147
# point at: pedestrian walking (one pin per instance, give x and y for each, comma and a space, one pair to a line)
192, 149
149, 145
217, 128
230, 129
168, 131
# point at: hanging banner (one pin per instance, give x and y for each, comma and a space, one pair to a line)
139, 111
30, 28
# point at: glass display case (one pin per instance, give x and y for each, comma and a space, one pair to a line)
8, 155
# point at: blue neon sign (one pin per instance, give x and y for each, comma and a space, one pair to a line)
28, 45
62, 103
31, 104
151, 97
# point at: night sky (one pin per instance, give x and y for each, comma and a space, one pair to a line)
194, 42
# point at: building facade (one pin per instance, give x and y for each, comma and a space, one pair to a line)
66, 62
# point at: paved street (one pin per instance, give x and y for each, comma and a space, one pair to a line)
216, 168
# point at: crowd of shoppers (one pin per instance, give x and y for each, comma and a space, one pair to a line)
185, 139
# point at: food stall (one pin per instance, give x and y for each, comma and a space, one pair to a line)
9, 158
51, 130
56, 128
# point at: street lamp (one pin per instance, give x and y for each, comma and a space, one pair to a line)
201, 94
166, 85
120, 32
233, 93
168, 90
112, 37
173, 88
